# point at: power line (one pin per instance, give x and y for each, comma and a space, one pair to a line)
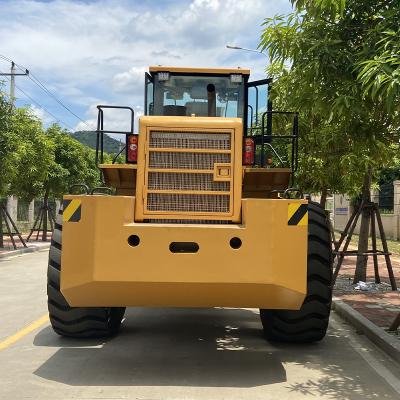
42, 86
6, 58
43, 108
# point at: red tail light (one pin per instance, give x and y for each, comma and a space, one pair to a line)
132, 148
248, 151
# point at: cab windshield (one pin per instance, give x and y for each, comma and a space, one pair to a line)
203, 96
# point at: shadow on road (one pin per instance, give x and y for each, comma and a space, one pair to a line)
168, 347
210, 348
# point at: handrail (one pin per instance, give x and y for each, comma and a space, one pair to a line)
264, 136
100, 131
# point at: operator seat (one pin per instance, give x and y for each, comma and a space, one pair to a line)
172, 110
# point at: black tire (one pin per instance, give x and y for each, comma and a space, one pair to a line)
79, 322
309, 324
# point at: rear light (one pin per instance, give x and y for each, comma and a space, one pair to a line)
132, 148
248, 151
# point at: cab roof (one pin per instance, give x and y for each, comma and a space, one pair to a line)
186, 70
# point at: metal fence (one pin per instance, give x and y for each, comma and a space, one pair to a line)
386, 198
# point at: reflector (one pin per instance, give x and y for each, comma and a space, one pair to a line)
131, 148
248, 151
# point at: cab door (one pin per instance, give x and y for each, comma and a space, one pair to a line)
257, 103
148, 94
258, 115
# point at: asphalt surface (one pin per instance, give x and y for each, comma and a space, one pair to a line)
175, 354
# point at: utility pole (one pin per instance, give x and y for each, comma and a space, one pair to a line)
12, 82
3, 207
12, 76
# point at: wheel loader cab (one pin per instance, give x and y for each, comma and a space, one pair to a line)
197, 93
201, 215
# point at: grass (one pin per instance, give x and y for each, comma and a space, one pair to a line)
393, 245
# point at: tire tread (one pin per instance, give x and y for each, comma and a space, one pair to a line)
309, 324
79, 322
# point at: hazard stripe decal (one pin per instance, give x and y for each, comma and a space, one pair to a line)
297, 214
72, 210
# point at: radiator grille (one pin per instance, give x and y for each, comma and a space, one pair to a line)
187, 202
192, 157
186, 160
188, 140
185, 181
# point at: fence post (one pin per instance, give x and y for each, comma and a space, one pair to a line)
58, 205
341, 211
375, 196
396, 206
12, 207
31, 211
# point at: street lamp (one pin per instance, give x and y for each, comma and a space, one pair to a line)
245, 49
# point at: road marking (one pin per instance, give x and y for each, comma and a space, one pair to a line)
23, 332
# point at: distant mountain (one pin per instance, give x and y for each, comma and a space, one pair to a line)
88, 138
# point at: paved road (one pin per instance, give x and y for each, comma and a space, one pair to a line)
175, 354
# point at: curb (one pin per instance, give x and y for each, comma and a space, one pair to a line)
25, 250
377, 335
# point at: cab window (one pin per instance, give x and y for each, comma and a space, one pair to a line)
204, 96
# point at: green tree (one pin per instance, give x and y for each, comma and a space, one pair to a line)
34, 162
321, 144
315, 54
73, 163
380, 72
66, 162
32, 158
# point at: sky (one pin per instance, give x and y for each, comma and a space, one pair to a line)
96, 52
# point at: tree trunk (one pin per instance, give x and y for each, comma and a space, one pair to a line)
324, 195
45, 213
361, 265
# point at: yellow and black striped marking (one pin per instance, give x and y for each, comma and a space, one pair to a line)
297, 214
72, 210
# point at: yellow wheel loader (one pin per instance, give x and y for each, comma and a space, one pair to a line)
202, 213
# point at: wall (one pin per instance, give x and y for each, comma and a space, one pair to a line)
12, 208
391, 222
